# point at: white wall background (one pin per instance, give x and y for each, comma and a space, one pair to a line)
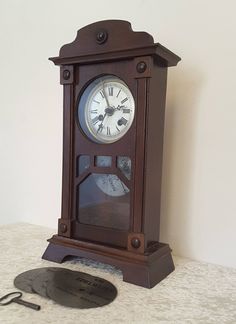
199, 182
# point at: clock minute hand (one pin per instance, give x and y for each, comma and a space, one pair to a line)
105, 95
119, 107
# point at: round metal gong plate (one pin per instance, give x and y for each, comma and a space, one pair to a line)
41, 281
24, 281
81, 290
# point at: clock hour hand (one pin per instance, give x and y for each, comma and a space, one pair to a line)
100, 126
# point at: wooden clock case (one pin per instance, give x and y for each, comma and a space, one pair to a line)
112, 47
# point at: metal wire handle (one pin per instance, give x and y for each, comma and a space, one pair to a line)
17, 293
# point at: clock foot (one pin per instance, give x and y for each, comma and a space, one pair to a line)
144, 270
149, 274
54, 253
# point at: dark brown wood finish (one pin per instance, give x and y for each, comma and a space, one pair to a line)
125, 147
145, 270
154, 154
112, 48
139, 152
67, 175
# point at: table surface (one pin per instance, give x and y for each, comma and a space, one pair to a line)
195, 292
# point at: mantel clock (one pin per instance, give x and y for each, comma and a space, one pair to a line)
114, 82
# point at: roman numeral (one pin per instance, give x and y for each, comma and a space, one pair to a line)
94, 111
118, 93
110, 91
118, 129
102, 94
124, 100
95, 120
126, 111
96, 101
108, 130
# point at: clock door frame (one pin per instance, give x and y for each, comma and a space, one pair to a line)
130, 145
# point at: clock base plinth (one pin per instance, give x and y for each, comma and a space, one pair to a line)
144, 270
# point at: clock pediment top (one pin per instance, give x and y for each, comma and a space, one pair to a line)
120, 36
109, 40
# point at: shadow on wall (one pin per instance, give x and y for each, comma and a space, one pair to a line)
179, 162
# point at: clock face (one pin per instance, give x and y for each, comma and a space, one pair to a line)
106, 109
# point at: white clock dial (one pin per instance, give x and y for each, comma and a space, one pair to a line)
106, 109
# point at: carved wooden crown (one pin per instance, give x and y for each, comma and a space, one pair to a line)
109, 40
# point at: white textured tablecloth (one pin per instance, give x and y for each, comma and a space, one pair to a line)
194, 293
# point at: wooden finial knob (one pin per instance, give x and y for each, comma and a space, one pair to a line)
135, 242
101, 36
